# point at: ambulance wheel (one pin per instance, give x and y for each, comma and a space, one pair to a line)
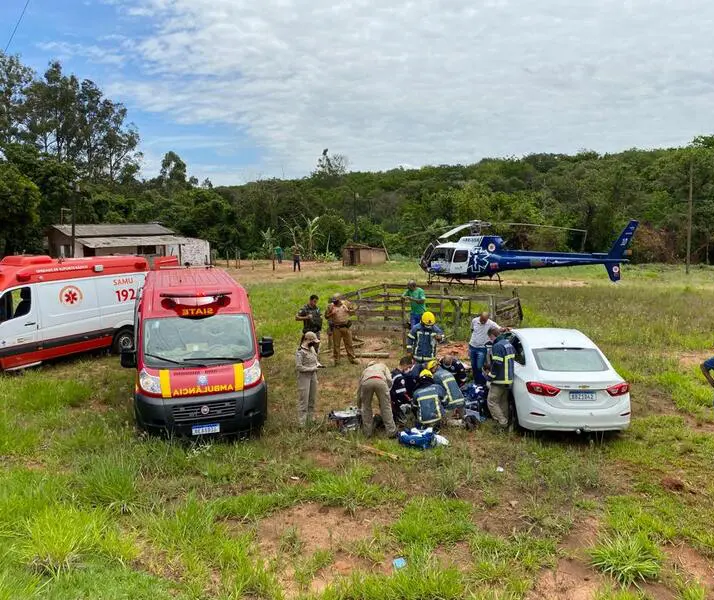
123, 340
140, 425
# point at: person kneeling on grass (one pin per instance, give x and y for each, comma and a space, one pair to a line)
400, 393
428, 398
376, 380
453, 396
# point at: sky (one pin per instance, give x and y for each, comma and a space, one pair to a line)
248, 89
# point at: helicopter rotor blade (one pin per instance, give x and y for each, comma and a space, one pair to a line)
544, 226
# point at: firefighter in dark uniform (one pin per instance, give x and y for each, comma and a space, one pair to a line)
452, 364
428, 399
453, 396
500, 376
423, 338
400, 393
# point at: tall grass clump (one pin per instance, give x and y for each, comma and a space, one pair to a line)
350, 489
110, 481
628, 558
60, 538
433, 521
188, 525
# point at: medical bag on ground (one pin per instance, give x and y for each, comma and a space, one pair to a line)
418, 438
346, 420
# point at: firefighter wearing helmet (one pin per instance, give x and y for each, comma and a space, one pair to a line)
453, 396
423, 338
428, 399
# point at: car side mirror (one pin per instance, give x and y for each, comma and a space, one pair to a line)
266, 347
128, 359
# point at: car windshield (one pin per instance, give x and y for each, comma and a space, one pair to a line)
178, 340
569, 359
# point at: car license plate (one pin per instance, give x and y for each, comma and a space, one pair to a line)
582, 396
204, 429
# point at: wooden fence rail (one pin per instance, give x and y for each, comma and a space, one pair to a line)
383, 309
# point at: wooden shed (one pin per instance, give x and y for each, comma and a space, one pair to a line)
359, 254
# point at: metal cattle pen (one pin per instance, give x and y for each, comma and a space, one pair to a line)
382, 309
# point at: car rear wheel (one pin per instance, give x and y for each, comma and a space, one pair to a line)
513, 424
123, 340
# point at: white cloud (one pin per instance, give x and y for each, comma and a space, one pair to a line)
427, 81
96, 54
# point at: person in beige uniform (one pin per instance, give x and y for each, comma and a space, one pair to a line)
376, 379
338, 314
306, 364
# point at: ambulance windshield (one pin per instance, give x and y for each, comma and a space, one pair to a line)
190, 340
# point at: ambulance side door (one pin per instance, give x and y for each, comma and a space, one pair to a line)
69, 311
19, 322
117, 297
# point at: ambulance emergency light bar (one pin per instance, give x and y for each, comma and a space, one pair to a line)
200, 309
196, 295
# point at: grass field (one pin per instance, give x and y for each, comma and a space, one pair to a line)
90, 509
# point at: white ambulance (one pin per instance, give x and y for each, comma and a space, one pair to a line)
54, 307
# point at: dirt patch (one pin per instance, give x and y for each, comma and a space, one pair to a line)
570, 580
654, 401
321, 528
326, 460
368, 344
262, 270
693, 564
564, 283
456, 555
694, 359
318, 527
583, 535
458, 349
673, 484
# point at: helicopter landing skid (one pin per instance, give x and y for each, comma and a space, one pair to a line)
472, 283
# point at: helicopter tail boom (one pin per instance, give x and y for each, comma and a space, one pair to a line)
617, 252
620, 246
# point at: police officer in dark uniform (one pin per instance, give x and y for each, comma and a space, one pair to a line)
311, 318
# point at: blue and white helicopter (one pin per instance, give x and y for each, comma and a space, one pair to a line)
476, 256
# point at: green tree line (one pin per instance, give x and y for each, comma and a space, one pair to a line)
63, 143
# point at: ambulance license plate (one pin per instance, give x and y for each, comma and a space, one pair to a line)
204, 429
580, 396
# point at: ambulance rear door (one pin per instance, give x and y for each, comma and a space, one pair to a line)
117, 296
19, 325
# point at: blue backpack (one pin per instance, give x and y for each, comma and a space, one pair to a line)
417, 438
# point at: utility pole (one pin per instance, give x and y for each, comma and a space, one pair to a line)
689, 213
75, 193
355, 197
74, 223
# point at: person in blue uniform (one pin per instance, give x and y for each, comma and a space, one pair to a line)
452, 364
423, 339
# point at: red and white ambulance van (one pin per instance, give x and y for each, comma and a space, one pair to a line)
54, 307
197, 356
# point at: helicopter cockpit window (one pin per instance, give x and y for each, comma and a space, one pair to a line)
442, 255
461, 256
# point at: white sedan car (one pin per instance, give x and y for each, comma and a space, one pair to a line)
563, 382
